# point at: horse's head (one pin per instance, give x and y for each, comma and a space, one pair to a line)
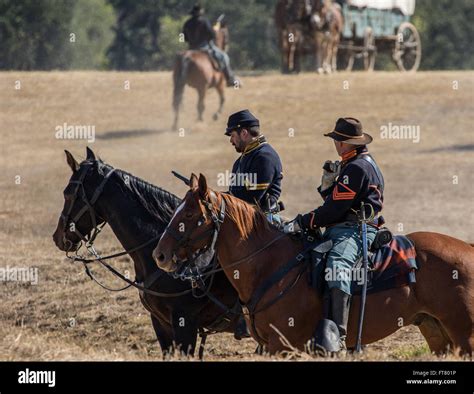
80, 220
320, 9
192, 232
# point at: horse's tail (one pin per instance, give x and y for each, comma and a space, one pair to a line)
180, 74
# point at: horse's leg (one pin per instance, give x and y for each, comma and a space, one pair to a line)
334, 54
163, 336
327, 56
176, 118
220, 91
201, 98
298, 54
185, 329
435, 335
291, 58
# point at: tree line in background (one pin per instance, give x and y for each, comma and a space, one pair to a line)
144, 34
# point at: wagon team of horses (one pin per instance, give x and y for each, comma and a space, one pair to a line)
340, 33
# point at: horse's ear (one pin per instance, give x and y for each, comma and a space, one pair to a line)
202, 186
193, 181
90, 154
71, 161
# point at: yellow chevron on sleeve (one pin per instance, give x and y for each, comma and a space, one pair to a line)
257, 186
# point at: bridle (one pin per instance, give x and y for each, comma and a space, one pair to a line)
89, 238
188, 269
80, 192
197, 261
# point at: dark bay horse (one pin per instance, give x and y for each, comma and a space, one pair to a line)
250, 250
196, 69
289, 21
137, 212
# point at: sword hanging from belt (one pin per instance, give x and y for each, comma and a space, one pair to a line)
363, 219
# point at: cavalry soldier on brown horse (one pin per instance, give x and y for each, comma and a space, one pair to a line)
345, 185
200, 35
205, 65
256, 174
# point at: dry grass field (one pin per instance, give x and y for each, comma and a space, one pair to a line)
429, 184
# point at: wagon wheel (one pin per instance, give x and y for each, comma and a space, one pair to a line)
345, 57
369, 49
407, 51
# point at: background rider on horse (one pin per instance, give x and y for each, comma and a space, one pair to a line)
200, 35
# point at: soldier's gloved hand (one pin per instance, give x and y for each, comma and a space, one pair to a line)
331, 171
294, 226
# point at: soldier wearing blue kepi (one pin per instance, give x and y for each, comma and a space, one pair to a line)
345, 185
257, 173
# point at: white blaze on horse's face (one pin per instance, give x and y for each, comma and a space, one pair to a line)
178, 210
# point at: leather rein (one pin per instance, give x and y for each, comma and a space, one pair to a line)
89, 238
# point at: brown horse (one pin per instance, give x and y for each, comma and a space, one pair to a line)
249, 250
196, 69
328, 23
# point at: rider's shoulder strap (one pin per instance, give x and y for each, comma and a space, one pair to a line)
374, 165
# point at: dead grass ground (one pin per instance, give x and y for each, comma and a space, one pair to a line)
66, 317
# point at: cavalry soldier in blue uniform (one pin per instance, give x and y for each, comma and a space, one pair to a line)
200, 35
345, 185
257, 173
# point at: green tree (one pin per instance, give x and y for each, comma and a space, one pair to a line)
92, 25
168, 40
34, 34
447, 32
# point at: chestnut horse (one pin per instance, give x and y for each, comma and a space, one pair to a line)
196, 69
328, 23
250, 250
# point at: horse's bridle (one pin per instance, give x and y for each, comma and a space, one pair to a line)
184, 240
88, 238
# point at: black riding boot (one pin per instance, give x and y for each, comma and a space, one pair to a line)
230, 77
340, 305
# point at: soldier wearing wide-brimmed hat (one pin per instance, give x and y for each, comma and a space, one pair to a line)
345, 185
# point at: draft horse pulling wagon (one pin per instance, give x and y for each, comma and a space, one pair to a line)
372, 26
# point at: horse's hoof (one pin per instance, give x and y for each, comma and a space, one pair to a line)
320, 70
215, 117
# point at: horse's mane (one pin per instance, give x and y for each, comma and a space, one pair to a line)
158, 202
247, 217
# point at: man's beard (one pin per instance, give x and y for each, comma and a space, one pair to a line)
239, 148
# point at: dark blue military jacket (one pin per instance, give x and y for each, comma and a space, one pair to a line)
358, 181
256, 173
198, 32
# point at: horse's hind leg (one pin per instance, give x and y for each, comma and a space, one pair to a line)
220, 91
434, 334
201, 98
